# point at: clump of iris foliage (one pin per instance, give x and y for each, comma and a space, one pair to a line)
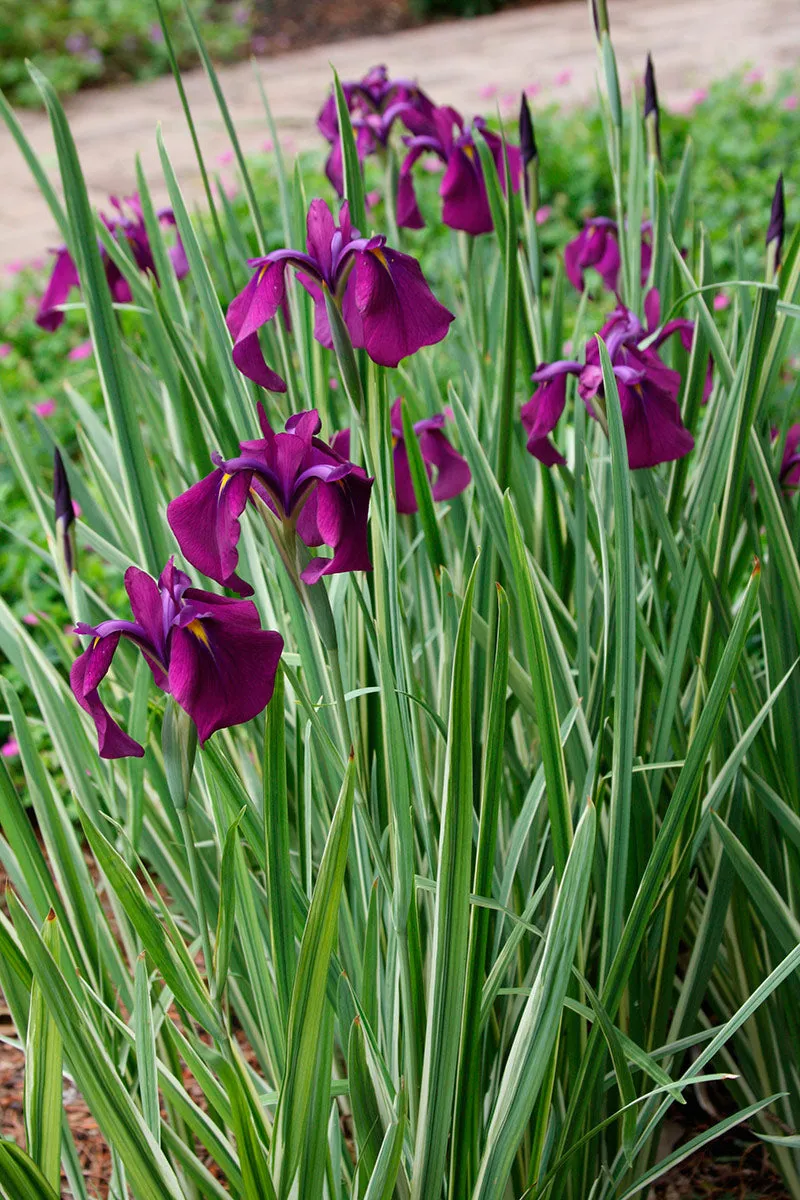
92, 42
429, 791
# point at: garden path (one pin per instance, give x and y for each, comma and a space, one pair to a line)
550, 45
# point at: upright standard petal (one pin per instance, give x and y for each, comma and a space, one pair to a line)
85, 676
398, 311
205, 521
222, 664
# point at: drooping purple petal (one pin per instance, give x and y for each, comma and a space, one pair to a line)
595, 246
399, 312
85, 676
543, 411
341, 518
253, 307
404, 496
63, 278
463, 191
453, 475
205, 521
222, 665
653, 428
790, 462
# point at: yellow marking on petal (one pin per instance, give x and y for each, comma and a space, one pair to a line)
381, 257
637, 387
223, 481
262, 273
470, 152
591, 231
196, 627
95, 643
395, 440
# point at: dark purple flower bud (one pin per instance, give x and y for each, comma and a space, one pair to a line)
305, 483
208, 652
452, 474
652, 114
64, 510
542, 412
385, 302
777, 217
527, 137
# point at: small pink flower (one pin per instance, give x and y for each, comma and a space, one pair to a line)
508, 101
563, 77
487, 91
5, 349
37, 264
431, 163
289, 145
543, 214
45, 408
225, 158
259, 44
754, 76
791, 102
76, 508
30, 619
533, 89
10, 749
15, 266
155, 33
372, 199
721, 300
333, 383
268, 146
81, 351
231, 190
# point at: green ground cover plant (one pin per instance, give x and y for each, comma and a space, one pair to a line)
466, 892
93, 41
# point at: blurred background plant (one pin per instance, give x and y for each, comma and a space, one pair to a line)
80, 42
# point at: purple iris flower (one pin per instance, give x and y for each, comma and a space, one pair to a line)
648, 392
374, 102
790, 463
127, 224
463, 188
448, 471
597, 245
543, 411
314, 491
386, 304
208, 652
